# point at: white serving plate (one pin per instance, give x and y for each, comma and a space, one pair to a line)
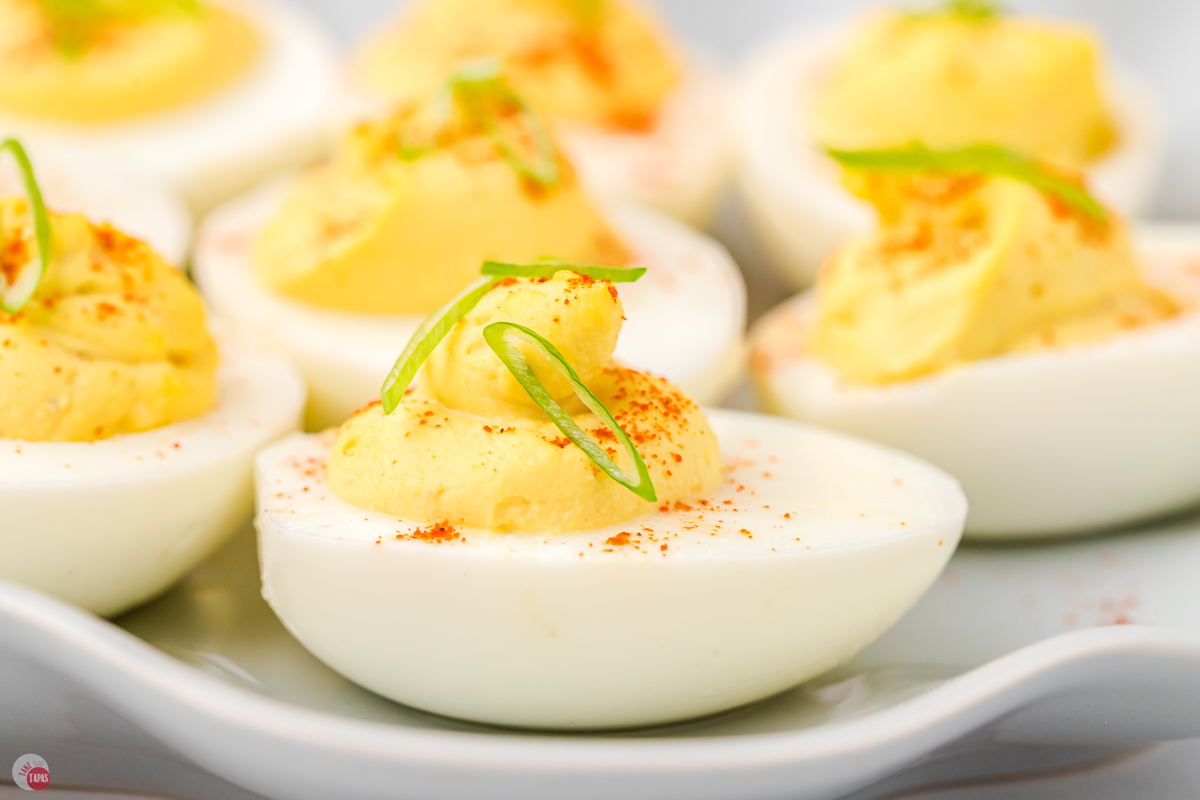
1013, 649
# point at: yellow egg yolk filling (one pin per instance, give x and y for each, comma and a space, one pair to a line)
468, 446
599, 62
966, 268
113, 341
949, 80
127, 66
374, 231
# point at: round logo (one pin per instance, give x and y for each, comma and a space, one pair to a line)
31, 772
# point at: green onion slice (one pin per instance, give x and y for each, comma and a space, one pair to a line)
479, 88
432, 331
980, 158
17, 294
438, 324
965, 10
441, 111
505, 339
546, 267
481, 84
976, 10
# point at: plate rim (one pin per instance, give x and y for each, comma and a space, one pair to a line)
958, 705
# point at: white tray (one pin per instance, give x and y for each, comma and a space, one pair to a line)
1014, 647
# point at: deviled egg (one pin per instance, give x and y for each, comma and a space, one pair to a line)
536, 535
127, 430
1000, 324
643, 122
342, 264
954, 77
207, 96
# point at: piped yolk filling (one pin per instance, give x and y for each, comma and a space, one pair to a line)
600, 62
951, 81
967, 268
113, 341
468, 447
125, 68
374, 231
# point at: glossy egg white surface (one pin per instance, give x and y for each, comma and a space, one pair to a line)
110, 524
815, 545
795, 204
1054, 442
685, 317
275, 117
73, 181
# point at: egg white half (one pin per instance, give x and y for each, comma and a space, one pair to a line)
795, 205
814, 546
685, 317
275, 117
108, 525
105, 192
1059, 441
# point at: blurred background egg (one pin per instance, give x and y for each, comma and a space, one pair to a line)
794, 203
1063, 440
644, 119
207, 99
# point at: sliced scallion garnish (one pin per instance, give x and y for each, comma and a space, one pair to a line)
543, 169
440, 111
984, 159
976, 10
480, 89
965, 10
438, 324
505, 339
432, 331
16, 294
546, 267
